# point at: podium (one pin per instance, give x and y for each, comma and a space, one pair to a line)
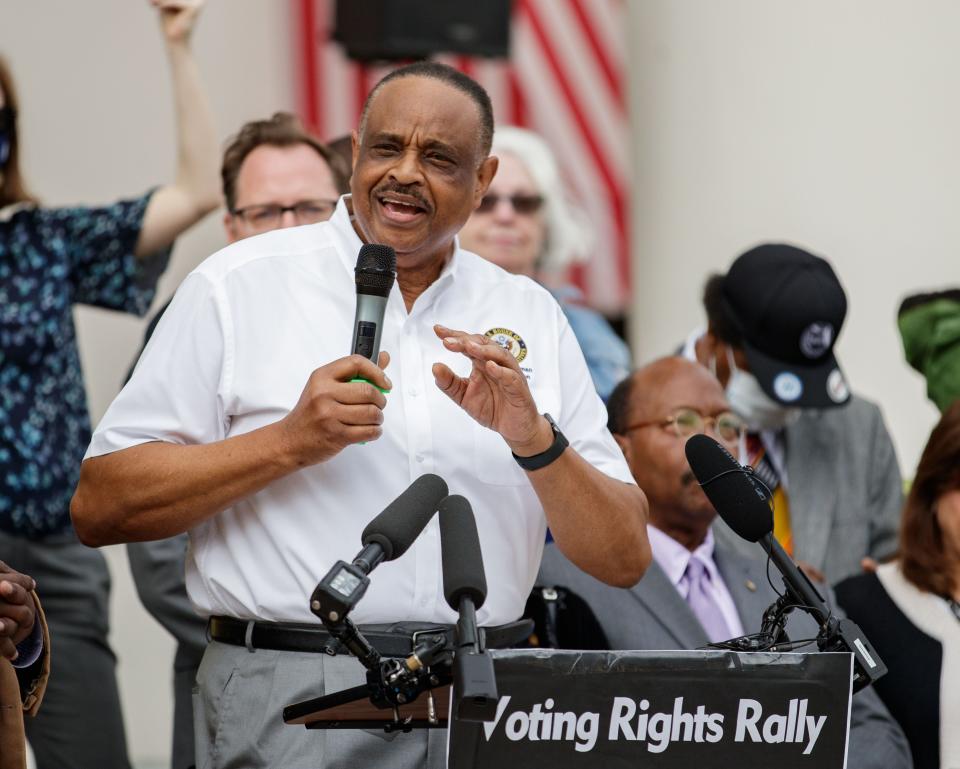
659, 709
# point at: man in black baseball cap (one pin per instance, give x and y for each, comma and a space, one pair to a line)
788, 307
772, 322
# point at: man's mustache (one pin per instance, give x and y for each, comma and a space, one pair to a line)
407, 190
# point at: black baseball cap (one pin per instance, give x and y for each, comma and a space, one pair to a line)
789, 307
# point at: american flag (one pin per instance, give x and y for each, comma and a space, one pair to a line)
565, 79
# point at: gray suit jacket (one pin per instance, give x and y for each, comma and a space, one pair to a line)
844, 488
653, 615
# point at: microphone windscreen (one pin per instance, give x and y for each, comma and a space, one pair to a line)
402, 520
376, 269
462, 560
732, 490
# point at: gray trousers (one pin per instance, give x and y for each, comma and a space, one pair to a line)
238, 708
79, 725
157, 569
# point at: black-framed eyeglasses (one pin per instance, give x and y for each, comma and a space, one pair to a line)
8, 116
522, 204
269, 216
685, 422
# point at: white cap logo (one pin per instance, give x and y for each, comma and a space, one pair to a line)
837, 387
816, 339
788, 386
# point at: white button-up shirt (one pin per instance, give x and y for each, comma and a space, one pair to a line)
233, 353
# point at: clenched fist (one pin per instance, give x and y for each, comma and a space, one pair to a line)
334, 411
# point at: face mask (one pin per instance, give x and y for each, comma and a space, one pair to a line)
754, 406
4, 149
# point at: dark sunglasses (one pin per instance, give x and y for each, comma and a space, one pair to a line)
522, 204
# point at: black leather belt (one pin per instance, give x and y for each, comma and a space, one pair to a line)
390, 640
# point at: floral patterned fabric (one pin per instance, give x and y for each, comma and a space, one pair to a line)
50, 259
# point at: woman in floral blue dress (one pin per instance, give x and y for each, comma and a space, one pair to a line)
51, 259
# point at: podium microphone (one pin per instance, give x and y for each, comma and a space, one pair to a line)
374, 275
386, 537
744, 505
465, 589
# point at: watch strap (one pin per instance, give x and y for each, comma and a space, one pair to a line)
544, 458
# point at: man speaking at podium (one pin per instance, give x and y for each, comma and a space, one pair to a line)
242, 426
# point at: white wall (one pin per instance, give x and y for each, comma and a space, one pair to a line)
830, 124
97, 123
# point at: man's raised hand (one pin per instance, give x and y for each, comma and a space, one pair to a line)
178, 17
496, 393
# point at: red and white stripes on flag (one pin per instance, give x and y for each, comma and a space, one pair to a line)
565, 79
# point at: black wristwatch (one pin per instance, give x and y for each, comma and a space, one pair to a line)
544, 458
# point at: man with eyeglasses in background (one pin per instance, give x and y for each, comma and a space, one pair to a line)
275, 175
698, 590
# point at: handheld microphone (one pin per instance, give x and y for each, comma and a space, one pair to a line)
375, 273
744, 505
465, 589
386, 537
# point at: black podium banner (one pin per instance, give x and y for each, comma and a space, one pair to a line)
669, 710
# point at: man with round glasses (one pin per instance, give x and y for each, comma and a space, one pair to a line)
698, 589
274, 175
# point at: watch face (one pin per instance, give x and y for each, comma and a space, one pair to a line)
345, 583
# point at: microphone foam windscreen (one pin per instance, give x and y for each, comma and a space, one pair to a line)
402, 520
732, 491
463, 574
376, 269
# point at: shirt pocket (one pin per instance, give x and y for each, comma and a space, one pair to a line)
493, 461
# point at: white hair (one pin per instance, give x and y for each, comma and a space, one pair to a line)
569, 236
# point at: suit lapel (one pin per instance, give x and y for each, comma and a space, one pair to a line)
665, 606
812, 490
746, 580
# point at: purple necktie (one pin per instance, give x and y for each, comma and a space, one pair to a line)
702, 601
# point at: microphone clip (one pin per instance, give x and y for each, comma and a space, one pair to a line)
844, 635
400, 681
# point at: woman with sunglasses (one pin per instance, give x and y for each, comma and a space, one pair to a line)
528, 226
50, 259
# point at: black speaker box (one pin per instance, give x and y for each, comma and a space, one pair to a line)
415, 29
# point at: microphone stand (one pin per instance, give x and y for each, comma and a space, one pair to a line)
474, 681
352, 639
835, 635
390, 682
